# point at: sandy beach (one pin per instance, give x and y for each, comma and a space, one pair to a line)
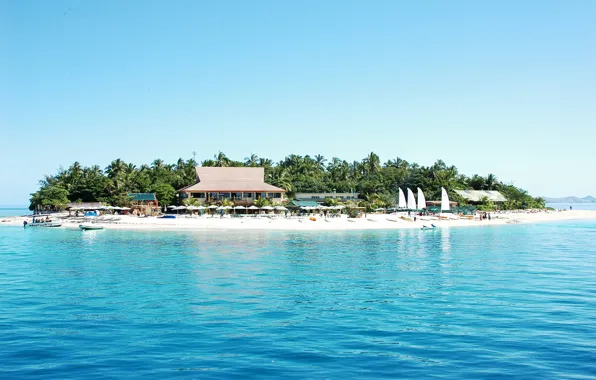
264, 222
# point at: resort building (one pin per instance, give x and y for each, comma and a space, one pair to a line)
145, 203
240, 185
320, 197
476, 196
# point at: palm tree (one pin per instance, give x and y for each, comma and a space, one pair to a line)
372, 163
115, 168
397, 163
476, 182
279, 177
491, 182
221, 160
157, 164
252, 160
320, 161
261, 202
265, 163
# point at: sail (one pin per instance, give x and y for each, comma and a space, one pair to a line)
411, 200
421, 200
444, 200
402, 199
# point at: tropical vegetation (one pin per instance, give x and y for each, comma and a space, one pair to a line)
377, 182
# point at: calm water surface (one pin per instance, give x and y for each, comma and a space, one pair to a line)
14, 211
487, 302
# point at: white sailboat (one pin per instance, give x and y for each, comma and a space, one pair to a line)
421, 200
445, 206
411, 200
401, 200
444, 200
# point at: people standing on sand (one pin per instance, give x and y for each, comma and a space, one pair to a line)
570, 208
489, 216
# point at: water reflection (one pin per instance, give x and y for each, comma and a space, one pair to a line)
445, 239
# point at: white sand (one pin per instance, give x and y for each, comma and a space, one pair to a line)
371, 222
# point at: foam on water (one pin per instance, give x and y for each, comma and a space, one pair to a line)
509, 301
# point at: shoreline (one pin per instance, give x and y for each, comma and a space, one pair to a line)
371, 222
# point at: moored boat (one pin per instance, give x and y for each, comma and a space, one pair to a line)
90, 227
40, 221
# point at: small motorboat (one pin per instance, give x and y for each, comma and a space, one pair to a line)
90, 227
39, 221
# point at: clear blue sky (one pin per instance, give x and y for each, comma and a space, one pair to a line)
506, 87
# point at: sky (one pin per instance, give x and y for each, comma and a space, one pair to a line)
502, 87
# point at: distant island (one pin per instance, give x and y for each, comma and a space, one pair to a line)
571, 199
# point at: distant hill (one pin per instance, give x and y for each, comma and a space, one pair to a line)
588, 199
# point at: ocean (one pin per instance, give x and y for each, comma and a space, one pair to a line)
516, 301
14, 211
575, 206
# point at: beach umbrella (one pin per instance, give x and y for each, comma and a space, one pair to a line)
280, 208
253, 207
267, 208
192, 208
172, 207
227, 207
219, 208
125, 208
212, 206
201, 208
239, 208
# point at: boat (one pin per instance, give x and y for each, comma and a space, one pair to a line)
401, 203
421, 200
444, 200
445, 206
40, 221
411, 200
90, 227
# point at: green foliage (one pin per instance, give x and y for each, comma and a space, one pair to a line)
486, 204
165, 193
330, 202
50, 197
352, 212
262, 202
376, 182
227, 202
191, 202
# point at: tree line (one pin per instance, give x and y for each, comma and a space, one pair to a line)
377, 182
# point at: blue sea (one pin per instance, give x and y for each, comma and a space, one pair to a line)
14, 211
505, 302
574, 206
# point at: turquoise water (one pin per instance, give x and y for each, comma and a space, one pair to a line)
467, 303
14, 211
